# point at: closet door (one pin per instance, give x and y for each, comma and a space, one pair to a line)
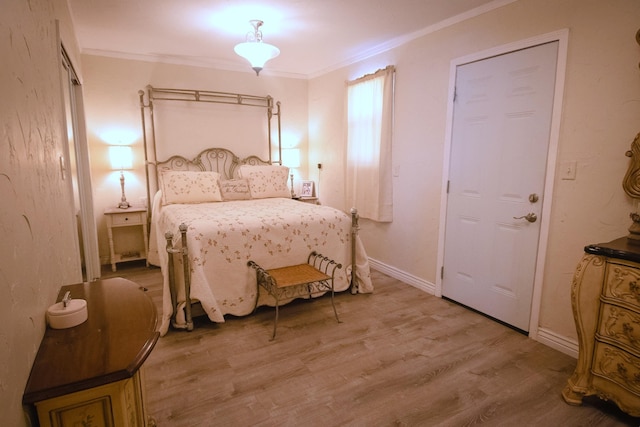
78, 171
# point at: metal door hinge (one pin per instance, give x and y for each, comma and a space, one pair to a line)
442, 272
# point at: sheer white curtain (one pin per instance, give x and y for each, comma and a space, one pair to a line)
369, 134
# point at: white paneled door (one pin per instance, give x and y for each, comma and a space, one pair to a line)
499, 144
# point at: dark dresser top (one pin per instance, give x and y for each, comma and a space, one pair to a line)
111, 345
618, 248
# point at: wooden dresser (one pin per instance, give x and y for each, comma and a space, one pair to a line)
605, 297
91, 374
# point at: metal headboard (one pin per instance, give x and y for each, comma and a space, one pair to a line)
220, 160
216, 159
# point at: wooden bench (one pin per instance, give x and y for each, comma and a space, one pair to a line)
296, 281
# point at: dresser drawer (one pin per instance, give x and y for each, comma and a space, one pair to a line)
131, 218
623, 283
617, 366
621, 325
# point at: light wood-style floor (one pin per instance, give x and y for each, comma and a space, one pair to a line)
401, 357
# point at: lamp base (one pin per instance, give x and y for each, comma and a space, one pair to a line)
293, 194
123, 200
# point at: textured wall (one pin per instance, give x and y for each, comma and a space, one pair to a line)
38, 253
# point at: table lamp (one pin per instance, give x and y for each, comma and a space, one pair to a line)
121, 157
291, 158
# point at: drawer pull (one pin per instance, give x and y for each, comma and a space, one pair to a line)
627, 330
634, 288
622, 370
618, 366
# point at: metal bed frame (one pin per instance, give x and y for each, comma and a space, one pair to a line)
217, 159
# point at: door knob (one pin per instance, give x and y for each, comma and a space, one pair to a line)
531, 217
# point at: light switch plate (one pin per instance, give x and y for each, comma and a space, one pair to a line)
568, 170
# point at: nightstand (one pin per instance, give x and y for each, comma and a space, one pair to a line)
312, 200
131, 217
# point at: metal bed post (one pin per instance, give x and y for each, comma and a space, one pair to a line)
184, 251
353, 285
187, 278
145, 145
171, 273
279, 132
269, 116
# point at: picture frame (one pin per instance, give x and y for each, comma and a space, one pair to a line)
307, 189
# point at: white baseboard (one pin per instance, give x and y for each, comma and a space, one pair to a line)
558, 342
407, 278
544, 336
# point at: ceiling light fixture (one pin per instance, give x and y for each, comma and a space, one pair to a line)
254, 49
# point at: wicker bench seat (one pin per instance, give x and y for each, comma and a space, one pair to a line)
303, 280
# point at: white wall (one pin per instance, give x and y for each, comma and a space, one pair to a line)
112, 103
600, 119
38, 254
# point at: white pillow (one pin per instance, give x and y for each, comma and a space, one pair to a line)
235, 189
189, 187
267, 181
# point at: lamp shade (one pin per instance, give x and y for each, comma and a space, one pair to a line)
121, 157
257, 53
291, 157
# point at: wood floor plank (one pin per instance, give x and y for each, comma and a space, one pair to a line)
400, 357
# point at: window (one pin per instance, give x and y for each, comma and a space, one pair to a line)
369, 133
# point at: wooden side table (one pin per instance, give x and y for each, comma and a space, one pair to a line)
131, 217
312, 200
91, 374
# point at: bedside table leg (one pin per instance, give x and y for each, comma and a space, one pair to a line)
112, 254
146, 242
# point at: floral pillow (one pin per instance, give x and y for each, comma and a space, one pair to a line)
189, 187
267, 181
235, 189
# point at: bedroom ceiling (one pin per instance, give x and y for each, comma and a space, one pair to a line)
314, 36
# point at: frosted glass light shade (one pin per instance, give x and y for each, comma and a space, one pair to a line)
257, 53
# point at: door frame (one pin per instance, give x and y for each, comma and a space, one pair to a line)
562, 37
83, 168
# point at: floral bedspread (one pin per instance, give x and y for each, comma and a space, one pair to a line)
222, 237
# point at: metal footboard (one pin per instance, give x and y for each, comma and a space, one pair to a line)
353, 284
184, 251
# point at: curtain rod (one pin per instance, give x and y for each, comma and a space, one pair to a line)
388, 68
